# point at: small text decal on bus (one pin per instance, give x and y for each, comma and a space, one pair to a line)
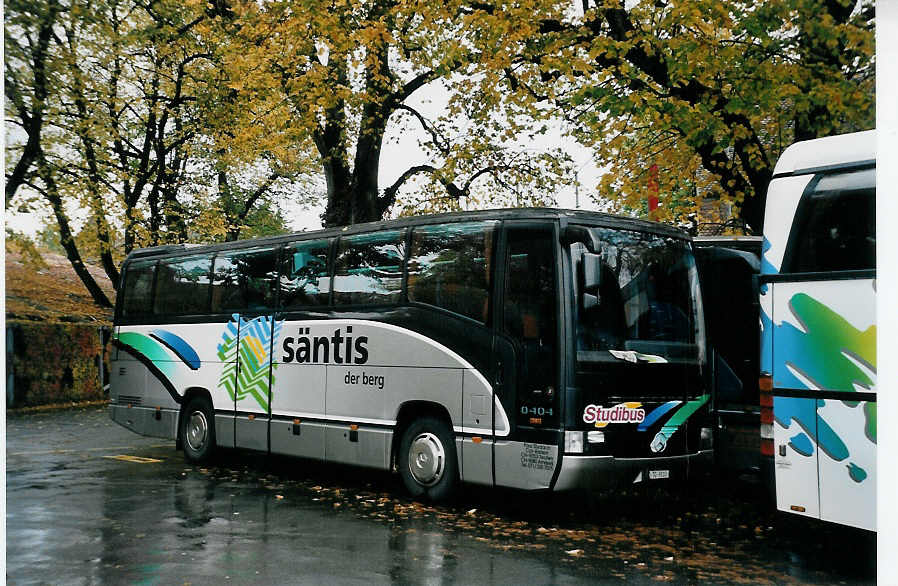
335, 348
621, 413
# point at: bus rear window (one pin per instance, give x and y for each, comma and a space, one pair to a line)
835, 225
138, 289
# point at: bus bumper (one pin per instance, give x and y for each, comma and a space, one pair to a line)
602, 472
146, 421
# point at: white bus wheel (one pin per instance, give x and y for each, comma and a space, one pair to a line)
427, 461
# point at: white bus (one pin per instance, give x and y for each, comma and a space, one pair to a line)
536, 349
818, 319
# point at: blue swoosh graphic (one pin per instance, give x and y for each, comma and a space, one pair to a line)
179, 346
657, 414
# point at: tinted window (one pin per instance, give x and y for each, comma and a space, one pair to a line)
530, 285
369, 268
530, 320
305, 279
836, 225
449, 267
244, 280
137, 297
645, 299
182, 285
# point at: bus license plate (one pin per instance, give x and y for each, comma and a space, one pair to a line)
658, 474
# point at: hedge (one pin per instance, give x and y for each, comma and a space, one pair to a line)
56, 363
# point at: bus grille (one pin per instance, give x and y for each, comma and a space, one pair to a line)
129, 400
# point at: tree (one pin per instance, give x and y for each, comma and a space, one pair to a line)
335, 78
30, 77
710, 91
115, 101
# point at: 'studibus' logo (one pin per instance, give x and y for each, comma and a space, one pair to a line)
621, 413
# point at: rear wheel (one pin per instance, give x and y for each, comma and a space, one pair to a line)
427, 460
198, 430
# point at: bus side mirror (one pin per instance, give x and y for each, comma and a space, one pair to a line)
573, 233
591, 279
592, 271
590, 301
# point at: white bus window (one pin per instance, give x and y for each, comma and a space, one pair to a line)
244, 280
305, 278
182, 286
138, 289
368, 268
835, 226
449, 267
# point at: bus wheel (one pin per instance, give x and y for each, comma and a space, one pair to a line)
427, 461
198, 430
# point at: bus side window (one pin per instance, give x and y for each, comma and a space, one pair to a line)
244, 280
835, 225
449, 267
258, 278
182, 286
304, 274
137, 297
226, 294
368, 268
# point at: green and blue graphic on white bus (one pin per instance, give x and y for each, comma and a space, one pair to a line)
153, 351
251, 340
818, 320
832, 355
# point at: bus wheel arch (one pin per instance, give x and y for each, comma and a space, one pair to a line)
424, 451
196, 425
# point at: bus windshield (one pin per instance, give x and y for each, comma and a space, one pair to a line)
641, 306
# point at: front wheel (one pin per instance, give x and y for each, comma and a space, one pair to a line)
427, 460
198, 430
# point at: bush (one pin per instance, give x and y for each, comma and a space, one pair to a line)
56, 363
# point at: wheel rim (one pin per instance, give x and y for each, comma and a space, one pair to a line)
426, 459
197, 431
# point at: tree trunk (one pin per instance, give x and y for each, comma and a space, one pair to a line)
353, 196
331, 145
66, 239
338, 211
33, 121
94, 180
366, 206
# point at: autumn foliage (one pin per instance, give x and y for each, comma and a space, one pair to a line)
176, 121
57, 331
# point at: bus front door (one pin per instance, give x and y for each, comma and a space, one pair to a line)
526, 350
252, 388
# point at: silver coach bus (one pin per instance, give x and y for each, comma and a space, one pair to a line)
538, 349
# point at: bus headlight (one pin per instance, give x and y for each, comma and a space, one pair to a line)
573, 442
595, 437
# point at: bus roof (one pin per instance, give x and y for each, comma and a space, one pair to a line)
828, 153
567, 216
725, 239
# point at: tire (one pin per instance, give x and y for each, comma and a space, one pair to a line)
427, 461
198, 430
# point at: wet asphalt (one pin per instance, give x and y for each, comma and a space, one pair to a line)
89, 502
